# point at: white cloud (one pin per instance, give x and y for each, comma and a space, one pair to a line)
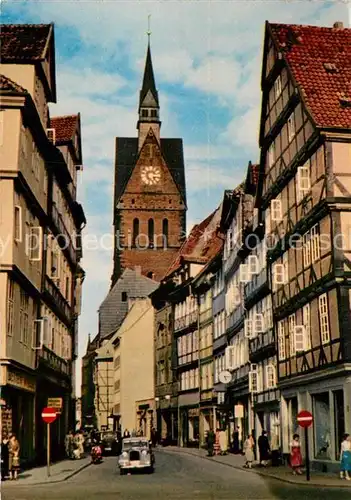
243, 130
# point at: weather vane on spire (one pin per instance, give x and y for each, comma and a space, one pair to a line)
148, 26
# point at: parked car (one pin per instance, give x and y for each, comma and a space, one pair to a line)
136, 454
109, 443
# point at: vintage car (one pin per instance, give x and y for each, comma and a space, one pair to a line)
136, 454
109, 443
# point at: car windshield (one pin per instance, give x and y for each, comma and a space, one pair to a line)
107, 435
135, 444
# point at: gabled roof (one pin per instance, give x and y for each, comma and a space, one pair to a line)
148, 80
8, 85
24, 42
65, 127
113, 310
320, 61
127, 155
202, 244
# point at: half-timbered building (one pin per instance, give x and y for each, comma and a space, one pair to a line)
305, 193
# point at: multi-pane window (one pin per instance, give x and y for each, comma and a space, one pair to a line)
306, 250
315, 246
291, 127
279, 275
278, 86
270, 376
324, 318
253, 379
253, 264
189, 380
10, 306
300, 340
306, 319
271, 154
276, 210
292, 324
18, 223
303, 181
244, 273
36, 243
281, 340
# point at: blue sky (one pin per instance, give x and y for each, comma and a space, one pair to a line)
207, 62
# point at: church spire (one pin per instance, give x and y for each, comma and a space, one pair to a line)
149, 107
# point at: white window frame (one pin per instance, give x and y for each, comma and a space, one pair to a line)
249, 328
281, 341
307, 249
291, 126
271, 379
268, 221
306, 315
276, 210
253, 379
324, 318
244, 273
291, 329
279, 271
299, 338
18, 210
303, 179
229, 357
278, 87
51, 134
271, 155
253, 264
259, 325
236, 295
39, 251
315, 244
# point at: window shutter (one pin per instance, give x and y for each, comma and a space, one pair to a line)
300, 338
259, 323
253, 264
279, 274
303, 179
249, 328
270, 376
253, 381
276, 210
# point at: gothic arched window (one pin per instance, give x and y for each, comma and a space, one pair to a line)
165, 231
151, 231
135, 230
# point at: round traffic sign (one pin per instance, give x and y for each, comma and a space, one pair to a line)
49, 415
304, 418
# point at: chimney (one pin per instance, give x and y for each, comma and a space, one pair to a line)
338, 25
137, 270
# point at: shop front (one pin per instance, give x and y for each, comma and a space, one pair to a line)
17, 410
266, 406
330, 404
189, 413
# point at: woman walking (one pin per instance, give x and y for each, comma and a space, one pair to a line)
14, 459
295, 455
248, 450
345, 457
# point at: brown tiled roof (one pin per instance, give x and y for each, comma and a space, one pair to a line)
202, 244
23, 42
65, 127
320, 60
8, 85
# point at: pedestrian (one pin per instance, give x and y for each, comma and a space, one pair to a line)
248, 450
264, 448
69, 444
217, 447
81, 441
236, 447
4, 454
153, 437
14, 456
295, 455
126, 433
223, 442
210, 442
345, 457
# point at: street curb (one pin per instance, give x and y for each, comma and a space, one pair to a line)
262, 474
18, 483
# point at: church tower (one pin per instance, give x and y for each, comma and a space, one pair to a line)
150, 194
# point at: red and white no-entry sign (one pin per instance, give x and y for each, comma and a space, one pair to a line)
304, 418
49, 415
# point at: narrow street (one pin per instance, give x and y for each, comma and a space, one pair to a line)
176, 477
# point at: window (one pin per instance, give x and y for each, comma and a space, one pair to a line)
306, 320
253, 264
124, 296
236, 295
165, 231
324, 318
303, 180
244, 273
154, 113
281, 340
18, 223
23, 313
230, 357
10, 306
278, 86
36, 243
292, 324
279, 277
67, 294
253, 379
268, 220
315, 247
151, 231
270, 376
249, 328
306, 250
135, 230
259, 323
291, 127
322, 431
276, 210
300, 336
271, 155
144, 112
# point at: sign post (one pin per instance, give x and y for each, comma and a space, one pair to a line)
49, 416
305, 419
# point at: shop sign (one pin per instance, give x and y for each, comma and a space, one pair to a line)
55, 403
20, 380
239, 411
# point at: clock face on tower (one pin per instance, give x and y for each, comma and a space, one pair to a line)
150, 175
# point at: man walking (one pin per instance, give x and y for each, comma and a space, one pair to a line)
264, 448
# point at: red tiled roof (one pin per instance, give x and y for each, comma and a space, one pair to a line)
65, 127
24, 42
8, 85
202, 244
320, 60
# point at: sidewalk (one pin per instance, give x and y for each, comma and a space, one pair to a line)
60, 471
280, 473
